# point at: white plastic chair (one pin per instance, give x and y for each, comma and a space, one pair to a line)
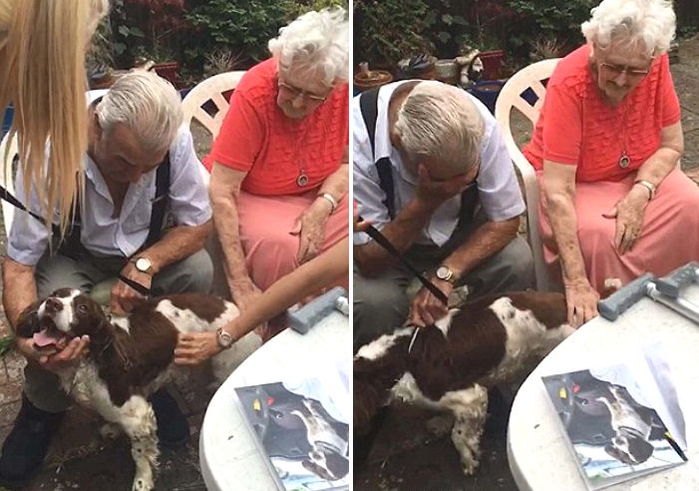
211, 89
510, 97
7, 178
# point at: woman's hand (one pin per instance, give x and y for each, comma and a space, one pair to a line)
629, 218
195, 348
581, 300
310, 227
244, 292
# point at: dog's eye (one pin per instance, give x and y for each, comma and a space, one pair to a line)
82, 309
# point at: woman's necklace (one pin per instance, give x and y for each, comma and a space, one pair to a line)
302, 177
624, 160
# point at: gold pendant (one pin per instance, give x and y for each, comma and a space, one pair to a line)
302, 180
624, 161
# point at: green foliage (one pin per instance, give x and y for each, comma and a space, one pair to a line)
387, 30
242, 27
6, 344
558, 20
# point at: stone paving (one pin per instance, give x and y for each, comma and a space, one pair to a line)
406, 455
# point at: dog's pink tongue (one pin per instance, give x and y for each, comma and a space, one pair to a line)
42, 339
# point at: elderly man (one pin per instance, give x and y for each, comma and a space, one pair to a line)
144, 217
432, 172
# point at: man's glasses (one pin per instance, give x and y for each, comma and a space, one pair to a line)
293, 92
616, 70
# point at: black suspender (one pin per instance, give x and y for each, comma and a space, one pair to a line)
369, 105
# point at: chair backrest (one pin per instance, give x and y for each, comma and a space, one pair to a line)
8, 150
211, 89
516, 94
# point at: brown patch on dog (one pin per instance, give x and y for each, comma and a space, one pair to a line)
549, 308
474, 345
206, 307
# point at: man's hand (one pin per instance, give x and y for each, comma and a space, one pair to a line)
432, 193
244, 292
195, 348
581, 300
426, 309
310, 227
629, 218
70, 353
124, 298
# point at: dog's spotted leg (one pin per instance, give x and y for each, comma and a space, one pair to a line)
470, 407
138, 420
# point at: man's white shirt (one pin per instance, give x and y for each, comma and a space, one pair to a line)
498, 190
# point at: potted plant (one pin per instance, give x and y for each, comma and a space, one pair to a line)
147, 30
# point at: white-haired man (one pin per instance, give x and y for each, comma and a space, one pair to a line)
143, 219
432, 172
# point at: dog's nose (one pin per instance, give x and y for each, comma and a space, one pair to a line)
53, 306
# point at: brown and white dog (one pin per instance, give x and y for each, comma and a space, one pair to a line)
489, 341
632, 423
130, 357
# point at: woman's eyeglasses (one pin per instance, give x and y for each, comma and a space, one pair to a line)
616, 70
294, 92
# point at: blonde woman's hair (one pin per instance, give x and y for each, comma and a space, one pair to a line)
438, 121
316, 42
42, 74
646, 25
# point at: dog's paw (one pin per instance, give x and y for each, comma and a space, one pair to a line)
110, 431
142, 484
440, 425
470, 467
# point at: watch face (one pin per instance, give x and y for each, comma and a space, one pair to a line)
442, 272
224, 339
142, 264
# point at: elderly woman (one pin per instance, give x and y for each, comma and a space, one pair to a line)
280, 174
42, 73
607, 144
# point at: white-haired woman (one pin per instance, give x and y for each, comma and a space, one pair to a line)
280, 174
607, 143
42, 73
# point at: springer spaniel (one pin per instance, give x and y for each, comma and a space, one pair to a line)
634, 426
486, 342
129, 357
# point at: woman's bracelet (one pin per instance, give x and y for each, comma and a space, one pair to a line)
331, 200
648, 185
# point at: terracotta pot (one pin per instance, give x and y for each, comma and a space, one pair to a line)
169, 71
492, 62
371, 79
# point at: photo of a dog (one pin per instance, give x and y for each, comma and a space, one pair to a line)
611, 432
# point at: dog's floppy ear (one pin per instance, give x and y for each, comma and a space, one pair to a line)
28, 321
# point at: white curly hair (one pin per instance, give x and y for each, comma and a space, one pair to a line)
316, 42
645, 25
438, 121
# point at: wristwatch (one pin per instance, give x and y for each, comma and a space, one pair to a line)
143, 264
225, 340
445, 274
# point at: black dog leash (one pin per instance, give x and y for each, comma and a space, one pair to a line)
381, 239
